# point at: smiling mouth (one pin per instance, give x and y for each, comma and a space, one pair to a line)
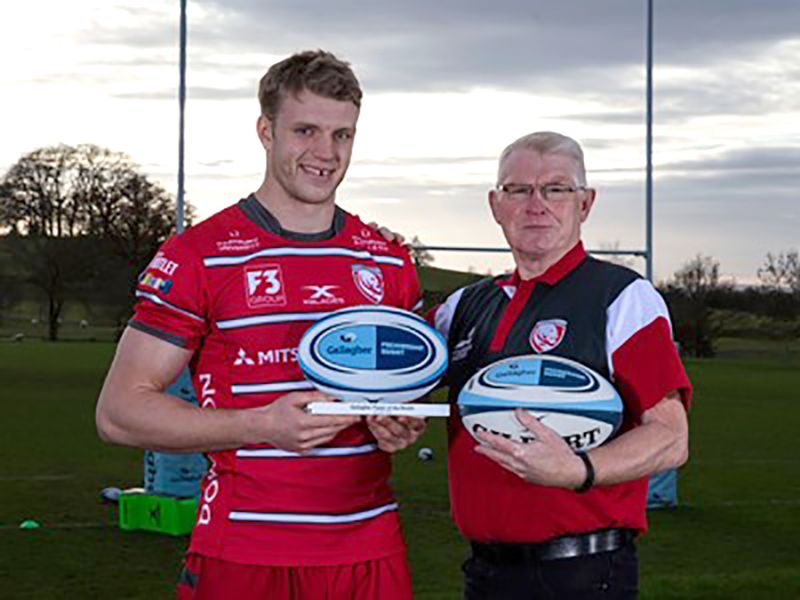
317, 171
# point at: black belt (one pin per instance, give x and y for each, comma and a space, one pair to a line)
571, 546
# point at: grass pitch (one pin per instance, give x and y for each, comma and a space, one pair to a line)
735, 535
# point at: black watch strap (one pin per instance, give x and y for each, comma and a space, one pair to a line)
589, 481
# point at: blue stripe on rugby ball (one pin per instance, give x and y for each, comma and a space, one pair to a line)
581, 405
375, 390
373, 353
595, 413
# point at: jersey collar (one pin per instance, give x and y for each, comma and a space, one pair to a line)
258, 214
555, 273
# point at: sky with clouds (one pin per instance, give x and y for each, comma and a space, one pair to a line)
448, 85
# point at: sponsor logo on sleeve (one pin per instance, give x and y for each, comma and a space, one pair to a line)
163, 264
157, 283
264, 286
369, 281
548, 334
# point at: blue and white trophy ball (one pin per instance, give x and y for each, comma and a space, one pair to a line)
570, 398
373, 353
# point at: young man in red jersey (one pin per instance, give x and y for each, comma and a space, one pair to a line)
294, 505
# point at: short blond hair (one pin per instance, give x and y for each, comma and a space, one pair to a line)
317, 71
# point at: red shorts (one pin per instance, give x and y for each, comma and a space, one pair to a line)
206, 578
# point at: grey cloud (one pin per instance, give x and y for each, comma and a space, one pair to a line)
223, 162
403, 188
744, 173
621, 117
455, 45
426, 160
592, 51
192, 93
777, 161
451, 44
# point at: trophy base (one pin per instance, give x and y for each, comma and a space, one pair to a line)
390, 409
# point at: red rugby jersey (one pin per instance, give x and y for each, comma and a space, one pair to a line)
241, 296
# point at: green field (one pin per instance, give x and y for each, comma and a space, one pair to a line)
736, 533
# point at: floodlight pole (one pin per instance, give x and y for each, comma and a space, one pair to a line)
182, 103
649, 177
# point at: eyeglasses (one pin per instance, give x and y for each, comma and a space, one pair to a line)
550, 192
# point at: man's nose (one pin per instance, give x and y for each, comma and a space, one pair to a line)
535, 200
324, 148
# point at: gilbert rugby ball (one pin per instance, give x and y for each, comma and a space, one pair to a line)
373, 353
570, 398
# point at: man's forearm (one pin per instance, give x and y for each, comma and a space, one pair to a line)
658, 444
165, 423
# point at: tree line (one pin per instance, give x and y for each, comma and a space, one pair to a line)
79, 222
699, 300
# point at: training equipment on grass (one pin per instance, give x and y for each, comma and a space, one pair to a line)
150, 512
570, 398
110, 494
373, 354
425, 454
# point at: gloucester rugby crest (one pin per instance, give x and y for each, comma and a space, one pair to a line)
546, 335
369, 281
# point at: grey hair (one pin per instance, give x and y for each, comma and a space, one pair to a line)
546, 142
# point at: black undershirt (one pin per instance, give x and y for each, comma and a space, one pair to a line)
258, 214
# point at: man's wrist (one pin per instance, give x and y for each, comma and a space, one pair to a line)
252, 425
588, 481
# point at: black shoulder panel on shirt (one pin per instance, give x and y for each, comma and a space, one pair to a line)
579, 301
476, 317
603, 278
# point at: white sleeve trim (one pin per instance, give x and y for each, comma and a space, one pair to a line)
635, 308
443, 317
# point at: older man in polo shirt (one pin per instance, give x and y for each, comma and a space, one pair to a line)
544, 521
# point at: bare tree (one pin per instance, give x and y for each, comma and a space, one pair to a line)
420, 256
57, 267
781, 272
37, 196
69, 208
698, 276
688, 292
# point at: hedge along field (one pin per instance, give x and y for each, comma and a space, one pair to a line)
734, 535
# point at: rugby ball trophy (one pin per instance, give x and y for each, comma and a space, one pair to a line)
375, 360
567, 396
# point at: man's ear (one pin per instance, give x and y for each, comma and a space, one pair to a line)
587, 202
264, 131
492, 203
